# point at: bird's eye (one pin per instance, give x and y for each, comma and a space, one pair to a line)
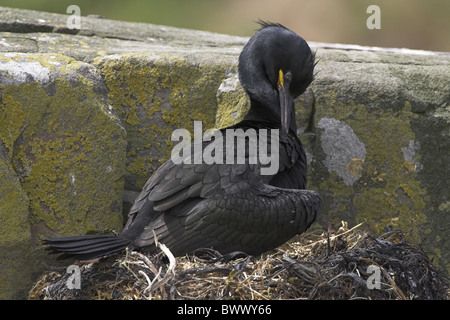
288, 77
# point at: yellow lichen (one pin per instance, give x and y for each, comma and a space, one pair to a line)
66, 151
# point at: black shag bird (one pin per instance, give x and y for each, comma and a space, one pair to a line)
229, 207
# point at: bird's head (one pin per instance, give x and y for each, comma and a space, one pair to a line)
275, 67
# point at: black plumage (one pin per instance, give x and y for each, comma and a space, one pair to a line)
229, 207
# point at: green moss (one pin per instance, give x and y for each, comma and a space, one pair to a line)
19, 265
389, 191
340, 206
233, 106
68, 152
14, 227
11, 122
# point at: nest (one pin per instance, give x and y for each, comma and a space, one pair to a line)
350, 264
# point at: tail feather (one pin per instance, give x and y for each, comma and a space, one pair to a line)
90, 246
93, 248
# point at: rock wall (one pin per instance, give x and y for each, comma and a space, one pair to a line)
86, 116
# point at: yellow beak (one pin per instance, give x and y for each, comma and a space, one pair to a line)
286, 102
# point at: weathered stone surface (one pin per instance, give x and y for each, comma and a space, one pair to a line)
394, 104
64, 141
87, 115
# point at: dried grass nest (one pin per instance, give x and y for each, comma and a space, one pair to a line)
316, 265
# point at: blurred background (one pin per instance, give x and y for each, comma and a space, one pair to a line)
414, 24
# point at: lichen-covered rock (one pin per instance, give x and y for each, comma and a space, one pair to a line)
65, 144
14, 203
389, 107
63, 155
87, 115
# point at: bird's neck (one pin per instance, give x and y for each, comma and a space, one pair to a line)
268, 116
262, 112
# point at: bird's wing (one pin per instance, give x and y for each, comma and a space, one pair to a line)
176, 188
225, 206
254, 220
